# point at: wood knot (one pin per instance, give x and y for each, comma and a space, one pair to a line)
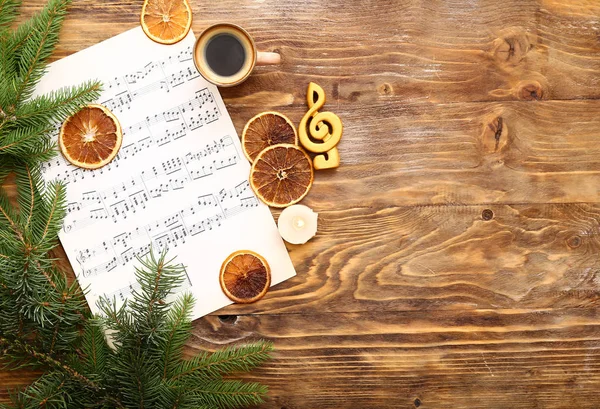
385, 89
495, 135
530, 91
417, 402
354, 95
512, 47
335, 91
228, 319
574, 241
487, 214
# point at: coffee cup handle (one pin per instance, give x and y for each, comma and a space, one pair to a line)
264, 58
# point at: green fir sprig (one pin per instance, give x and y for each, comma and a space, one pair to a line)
45, 322
27, 122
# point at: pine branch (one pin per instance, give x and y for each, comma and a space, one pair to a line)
26, 192
224, 362
41, 295
57, 198
178, 331
18, 347
227, 394
95, 349
9, 216
46, 391
132, 376
157, 278
56, 105
36, 49
36, 235
141, 327
27, 133
31, 144
8, 13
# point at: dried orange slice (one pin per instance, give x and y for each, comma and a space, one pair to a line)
245, 276
90, 138
166, 21
267, 129
281, 175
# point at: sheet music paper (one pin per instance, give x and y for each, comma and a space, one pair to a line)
180, 180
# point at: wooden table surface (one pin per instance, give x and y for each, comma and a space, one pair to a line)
457, 261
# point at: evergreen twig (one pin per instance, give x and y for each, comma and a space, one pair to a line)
26, 123
16, 346
8, 12
37, 47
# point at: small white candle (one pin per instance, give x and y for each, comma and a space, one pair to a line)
297, 224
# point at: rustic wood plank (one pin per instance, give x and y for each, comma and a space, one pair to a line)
444, 258
401, 154
475, 359
434, 51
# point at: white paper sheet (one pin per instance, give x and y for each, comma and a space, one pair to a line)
179, 181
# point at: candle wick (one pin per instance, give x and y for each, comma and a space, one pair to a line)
298, 223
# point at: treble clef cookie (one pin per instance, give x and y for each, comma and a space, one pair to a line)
325, 127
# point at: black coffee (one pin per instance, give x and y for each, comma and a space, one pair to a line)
225, 55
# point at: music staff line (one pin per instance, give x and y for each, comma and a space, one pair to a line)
120, 210
123, 241
177, 113
125, 85
169, 231
176, 173
181, 57
210, 200
73, 174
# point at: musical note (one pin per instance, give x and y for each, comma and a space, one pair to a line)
323, 126
71, 207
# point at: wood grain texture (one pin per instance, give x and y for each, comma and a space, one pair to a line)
445, 258
400, 154
456, 264
473, 359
